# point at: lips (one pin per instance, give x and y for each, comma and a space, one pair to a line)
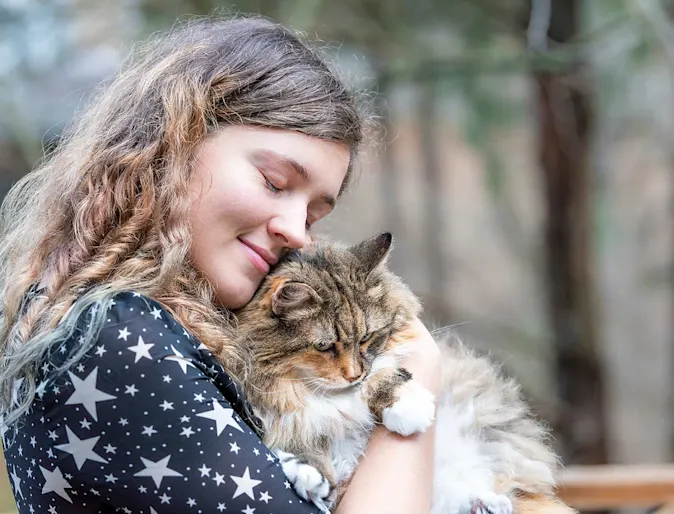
262, 259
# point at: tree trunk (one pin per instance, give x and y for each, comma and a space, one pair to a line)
565, 124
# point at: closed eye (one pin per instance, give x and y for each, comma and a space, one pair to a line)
272, 187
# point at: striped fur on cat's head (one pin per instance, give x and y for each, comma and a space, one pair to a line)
324, 313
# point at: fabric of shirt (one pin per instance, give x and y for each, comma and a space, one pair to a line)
147, 422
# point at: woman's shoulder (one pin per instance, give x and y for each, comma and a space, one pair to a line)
130, 325
137, 342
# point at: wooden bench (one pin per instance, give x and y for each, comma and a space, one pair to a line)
616, 486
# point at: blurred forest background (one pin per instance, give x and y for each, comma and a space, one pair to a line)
524, 161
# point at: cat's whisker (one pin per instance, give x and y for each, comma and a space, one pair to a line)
447, 329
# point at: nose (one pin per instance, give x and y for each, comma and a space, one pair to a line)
353, 372
289, 229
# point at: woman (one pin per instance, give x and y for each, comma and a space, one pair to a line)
161, 210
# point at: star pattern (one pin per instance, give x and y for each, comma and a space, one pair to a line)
127, 428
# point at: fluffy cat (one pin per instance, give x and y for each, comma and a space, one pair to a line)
324, 335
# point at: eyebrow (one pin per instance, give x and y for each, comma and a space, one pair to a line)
289, 162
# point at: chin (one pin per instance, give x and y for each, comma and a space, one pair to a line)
233, 298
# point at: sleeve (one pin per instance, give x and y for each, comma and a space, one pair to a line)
145, 429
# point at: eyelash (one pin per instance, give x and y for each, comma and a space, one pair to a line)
272, 187
276, 191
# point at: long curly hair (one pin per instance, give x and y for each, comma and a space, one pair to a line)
107, 211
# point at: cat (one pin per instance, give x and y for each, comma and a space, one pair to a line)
324, 335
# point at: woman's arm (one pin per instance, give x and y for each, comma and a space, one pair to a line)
396, 474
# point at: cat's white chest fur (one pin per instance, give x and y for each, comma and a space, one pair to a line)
349, 420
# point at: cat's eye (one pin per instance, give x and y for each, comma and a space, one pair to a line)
323, 346
366, 337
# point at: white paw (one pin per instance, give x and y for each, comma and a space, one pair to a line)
487, 503
413, 412
309, 483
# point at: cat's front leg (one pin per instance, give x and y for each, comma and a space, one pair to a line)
311, 480
403, 405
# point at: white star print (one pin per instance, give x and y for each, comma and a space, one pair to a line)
109, 448
54, 482
111, 478
256, 451
245, 484
85, 424
132, 390
41, 389
123, 334
178, 357
221, 507
218, 478
156, 313
187, 432
149, 431
87, 394
166, 405
100, 350
222, 417
205, 472
191, 502
248, 510
81, 449
165, 498
157, 470
264, 497
17, 483
234, 447
142, 349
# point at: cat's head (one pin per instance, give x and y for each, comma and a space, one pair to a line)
326, 312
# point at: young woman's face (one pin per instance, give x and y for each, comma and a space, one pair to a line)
257, 192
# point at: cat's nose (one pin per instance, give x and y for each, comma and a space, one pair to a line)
352, 372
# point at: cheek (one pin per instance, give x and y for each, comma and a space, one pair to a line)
322, 365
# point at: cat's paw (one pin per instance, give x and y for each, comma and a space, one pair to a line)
488, 503
307, 481
413, 411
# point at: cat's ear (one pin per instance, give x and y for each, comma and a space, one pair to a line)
295, 299
373, 252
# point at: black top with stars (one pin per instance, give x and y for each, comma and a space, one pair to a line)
147, 422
